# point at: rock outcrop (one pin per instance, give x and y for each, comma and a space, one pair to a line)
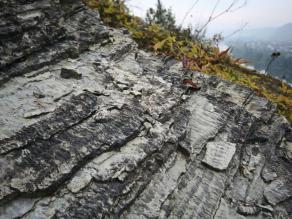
92, 127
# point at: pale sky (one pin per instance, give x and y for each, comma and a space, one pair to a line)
257, 13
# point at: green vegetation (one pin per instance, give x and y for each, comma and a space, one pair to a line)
161, 16
159, 34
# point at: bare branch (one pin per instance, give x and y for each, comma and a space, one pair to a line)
214, 9
236, 31
230, 9
188, 12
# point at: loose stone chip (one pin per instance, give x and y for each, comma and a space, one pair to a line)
219, 154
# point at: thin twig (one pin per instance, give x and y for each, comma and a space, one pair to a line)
229, 9
188, 12
236, 31
215, 7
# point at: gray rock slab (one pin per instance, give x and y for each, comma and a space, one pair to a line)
93, 127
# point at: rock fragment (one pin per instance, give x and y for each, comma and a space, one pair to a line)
219, 154
38, 112
278, 191
268, 175
67, 73
248, 210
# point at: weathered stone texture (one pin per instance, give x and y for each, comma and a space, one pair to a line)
92, 127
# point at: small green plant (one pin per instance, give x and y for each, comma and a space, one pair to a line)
161, 16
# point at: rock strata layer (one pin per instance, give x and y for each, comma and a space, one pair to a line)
93, 127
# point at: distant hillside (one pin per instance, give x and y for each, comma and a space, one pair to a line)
283, 33
280, 34
258, 54
255, 34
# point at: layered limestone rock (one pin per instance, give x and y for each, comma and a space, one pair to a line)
92, 127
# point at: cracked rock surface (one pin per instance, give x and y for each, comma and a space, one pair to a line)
92, 127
